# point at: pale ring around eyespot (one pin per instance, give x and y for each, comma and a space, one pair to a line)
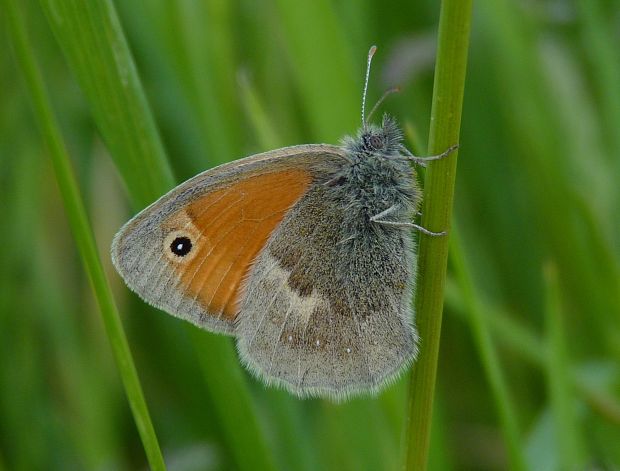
172, 238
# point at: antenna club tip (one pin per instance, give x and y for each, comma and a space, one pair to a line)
372, 50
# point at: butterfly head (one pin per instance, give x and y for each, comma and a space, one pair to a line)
383, 140
372, 140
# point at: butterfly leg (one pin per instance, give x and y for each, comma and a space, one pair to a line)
378, 218
421, 161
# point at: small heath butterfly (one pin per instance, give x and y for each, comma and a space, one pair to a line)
304, 254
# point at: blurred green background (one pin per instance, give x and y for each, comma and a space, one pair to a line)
536, 252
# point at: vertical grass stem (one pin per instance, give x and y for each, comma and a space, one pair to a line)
453, 41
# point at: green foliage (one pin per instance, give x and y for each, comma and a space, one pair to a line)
82, 234
528, 374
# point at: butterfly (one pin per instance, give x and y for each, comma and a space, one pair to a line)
304, 254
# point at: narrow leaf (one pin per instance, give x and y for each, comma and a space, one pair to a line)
83, 235
453, 41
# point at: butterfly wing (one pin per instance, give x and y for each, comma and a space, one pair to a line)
327, 307
189, 251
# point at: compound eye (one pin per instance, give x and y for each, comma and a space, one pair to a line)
181, 246
373, 142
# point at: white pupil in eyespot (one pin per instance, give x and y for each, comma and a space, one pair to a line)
181, 246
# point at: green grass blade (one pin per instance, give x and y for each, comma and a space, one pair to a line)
440, 456
510, 332
598, 38
543, 145
327, 82
25, 435
235, 407
83, 235
266, 134
195, 26
454, 24
571, 449
92, 40
488, 355
517, 338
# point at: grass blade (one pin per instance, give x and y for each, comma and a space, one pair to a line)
92, 39
517, 338
232, 396
84, 238
598, 39
488, 355
454, 24
326, 81
571, 449
266, 134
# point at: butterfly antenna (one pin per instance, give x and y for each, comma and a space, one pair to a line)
387, 93
371, 53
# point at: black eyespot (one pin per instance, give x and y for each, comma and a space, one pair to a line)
181, 246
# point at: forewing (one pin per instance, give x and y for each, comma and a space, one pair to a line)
225, 216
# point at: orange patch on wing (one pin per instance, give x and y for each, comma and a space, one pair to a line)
234, 224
